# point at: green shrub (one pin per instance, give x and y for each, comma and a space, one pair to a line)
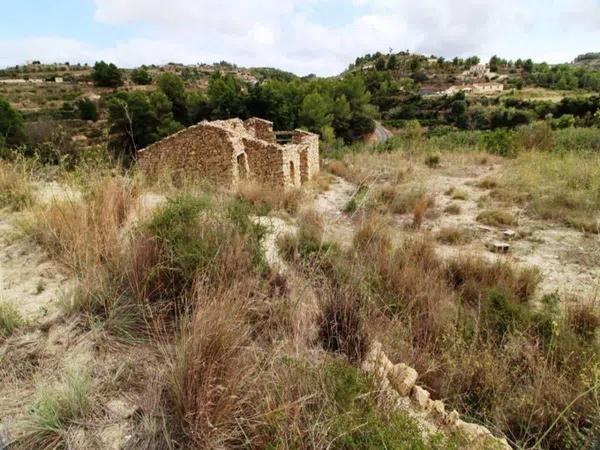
433, 160
356, 201
500, 142
197, 240
87, 109
357, 422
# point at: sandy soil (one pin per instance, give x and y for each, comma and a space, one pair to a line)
568, 260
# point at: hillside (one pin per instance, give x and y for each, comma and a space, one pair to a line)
418, 271
590, 61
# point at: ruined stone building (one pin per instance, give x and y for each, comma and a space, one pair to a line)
228, 151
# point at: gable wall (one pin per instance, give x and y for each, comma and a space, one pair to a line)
200, 151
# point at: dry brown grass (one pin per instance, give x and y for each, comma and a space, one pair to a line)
373, 232
85, 234
341, 327
15, 189
214, 374
402, 199
453, 209
419, 210
351, 172
454, 235
266, 197
473, 277
466, 325
497, 218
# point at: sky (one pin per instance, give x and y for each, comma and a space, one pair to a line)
301, 36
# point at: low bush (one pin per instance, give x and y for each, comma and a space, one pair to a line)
433, 160
536, 136
457, 194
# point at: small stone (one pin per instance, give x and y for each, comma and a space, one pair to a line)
510, 234
420, 397
452, 419
403, 378
473, 431
438, 410
499, 247
120, 409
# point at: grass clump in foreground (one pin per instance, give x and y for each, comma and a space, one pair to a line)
563, 187
54, 410
15, 190
10, 319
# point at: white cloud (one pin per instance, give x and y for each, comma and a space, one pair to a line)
298, 35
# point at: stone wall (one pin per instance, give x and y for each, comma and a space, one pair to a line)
226, 150
397, 383
260, 129
308, 147
272, 163
204, 150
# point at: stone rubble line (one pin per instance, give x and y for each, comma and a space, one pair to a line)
398, 383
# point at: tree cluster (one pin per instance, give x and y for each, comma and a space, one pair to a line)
334, 108
106, 75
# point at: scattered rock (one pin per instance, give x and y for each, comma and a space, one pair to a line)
115, 437
398, 381
120, 409
403, 378
499, 247
420, 397
510, 234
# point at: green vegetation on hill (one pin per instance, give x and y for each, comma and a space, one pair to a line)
337, 109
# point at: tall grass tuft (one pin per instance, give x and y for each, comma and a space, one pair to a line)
15, 189
10, 319
54, 410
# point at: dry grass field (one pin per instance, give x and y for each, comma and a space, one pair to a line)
138, 313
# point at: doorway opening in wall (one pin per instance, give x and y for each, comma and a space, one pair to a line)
292, 172
242, 166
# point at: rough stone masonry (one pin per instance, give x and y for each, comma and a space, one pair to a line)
229, 151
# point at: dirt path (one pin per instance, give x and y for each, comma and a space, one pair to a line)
330, 205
